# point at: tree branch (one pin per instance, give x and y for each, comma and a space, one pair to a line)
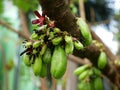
14, 30
77, 60
59, 11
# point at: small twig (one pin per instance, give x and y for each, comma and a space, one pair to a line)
81, 9
53, 84
14, 30
76, 59
44, 85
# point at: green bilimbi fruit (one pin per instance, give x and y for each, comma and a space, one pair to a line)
42, 36
78, 45
26, 60
37, 66
58, 62
91, 73
83, 75
56, 30
36, 44
51, 35
43, 71
84, 85
92, 83
96, 71
47, 56
84, 29
68, 39
102, 60
43, 49
34, 51
81, 69
34, 36
37, 27
28, 44
73, 8
98, 84
69, 46
57, 40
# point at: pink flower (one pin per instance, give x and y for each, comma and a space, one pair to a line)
40, 20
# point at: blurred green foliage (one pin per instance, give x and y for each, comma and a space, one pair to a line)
1, 6
13, 73
26, 5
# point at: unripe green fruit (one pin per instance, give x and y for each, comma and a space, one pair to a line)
59, 62
98, 84
96, 71
43, 49
43, 71
85, 85
56, 30
57, 40
78, 45
81, 69
26, 60
42, 36
36, 44
83, 75
47, 56
68, 39
34, 36
37, 66
34, 51
28, 44
69, 46
102, 60
84, 29
51, 35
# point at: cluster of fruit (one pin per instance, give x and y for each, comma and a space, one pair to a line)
89, 78
50, 45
